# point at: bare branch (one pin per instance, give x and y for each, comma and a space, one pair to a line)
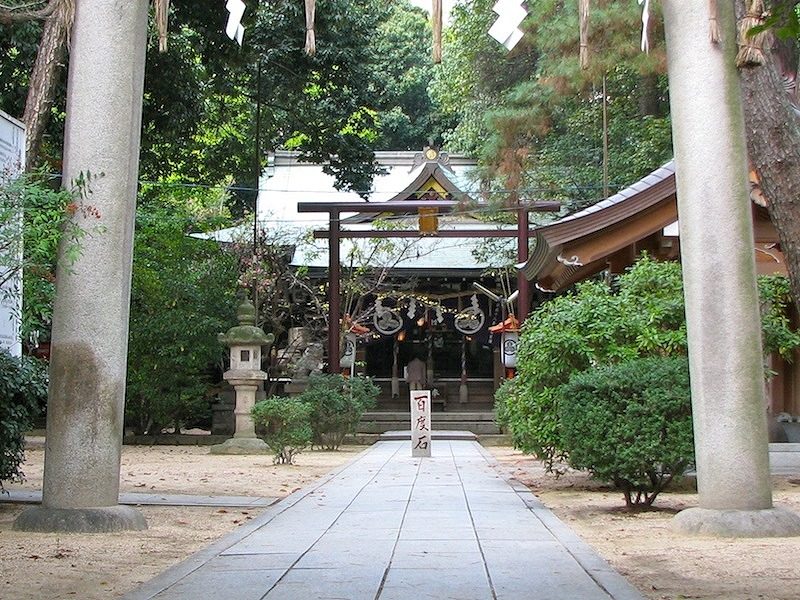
27, 12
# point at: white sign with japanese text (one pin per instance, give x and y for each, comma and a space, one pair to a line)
420, 423
12, 158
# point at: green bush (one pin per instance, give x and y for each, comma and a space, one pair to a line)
23, 392
629, 424
287, 422
641, 314
182, 296
337, 405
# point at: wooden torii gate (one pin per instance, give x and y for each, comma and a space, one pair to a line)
335, 234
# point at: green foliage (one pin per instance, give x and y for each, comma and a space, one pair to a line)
535, 118
182, 296
642, 315
29, 245
23, 393
287, 422
408, 114
629, 424
337, 405
778, 336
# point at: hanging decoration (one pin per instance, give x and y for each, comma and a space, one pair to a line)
234, 29
470, 320
412, 308
387, 321
349, 355
509, 340
439, 316
311, 38
510, 14
713, 22
161, 8
509, 343
645, 4
436, 18
751, 47
583, 26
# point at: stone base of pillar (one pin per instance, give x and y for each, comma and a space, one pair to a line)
241, 445
104, 519
770, 522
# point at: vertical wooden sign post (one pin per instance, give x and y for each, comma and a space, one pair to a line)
420, 423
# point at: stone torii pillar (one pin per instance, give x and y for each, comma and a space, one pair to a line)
722, 313
90, 318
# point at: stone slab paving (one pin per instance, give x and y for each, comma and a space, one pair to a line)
390, 527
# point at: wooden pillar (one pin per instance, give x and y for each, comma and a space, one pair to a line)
334, 295
523, 301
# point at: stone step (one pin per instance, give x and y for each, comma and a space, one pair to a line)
435, 435
480, 423
439, 416
475, 427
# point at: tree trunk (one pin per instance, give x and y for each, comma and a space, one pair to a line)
773, 146
650, 104
46, 70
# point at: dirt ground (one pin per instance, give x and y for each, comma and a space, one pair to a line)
663, 565
37, 566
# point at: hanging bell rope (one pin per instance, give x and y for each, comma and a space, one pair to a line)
713, 22
162, 12
311, 40
583, 21
436, 18
751, 47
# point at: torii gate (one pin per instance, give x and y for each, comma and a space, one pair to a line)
335, 234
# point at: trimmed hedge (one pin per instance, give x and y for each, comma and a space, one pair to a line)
629, 424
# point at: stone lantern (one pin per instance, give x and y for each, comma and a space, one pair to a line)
245, 375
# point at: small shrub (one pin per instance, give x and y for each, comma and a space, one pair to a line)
630, 424
640, 315
23, 391
287, 422
337, 405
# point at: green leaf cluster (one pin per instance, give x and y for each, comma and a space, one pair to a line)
287, 425
642, 314
629, 424
35, 219
337, 404
182, 296
778, 334
534, 117
23, 393
639, 314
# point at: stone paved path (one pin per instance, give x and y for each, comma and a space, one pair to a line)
389, 527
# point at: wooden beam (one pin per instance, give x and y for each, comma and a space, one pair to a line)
322, 234
402, 206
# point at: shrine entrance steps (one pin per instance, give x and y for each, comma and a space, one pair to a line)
481, 423
391, 527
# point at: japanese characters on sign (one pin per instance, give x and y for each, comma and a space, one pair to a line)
420, 423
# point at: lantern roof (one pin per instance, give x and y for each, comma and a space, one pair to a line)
246, 332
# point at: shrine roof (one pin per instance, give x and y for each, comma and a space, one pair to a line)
551, 252
296, 181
